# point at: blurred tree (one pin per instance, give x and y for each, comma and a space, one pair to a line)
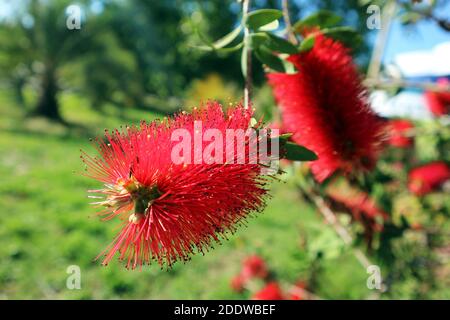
41, 44
133, 53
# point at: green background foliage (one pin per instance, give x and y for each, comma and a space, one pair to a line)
137, 60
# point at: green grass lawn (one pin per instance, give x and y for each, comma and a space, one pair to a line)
47, 224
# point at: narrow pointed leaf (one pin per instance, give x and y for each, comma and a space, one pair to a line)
266, 57
321, 19
226, 40
296, 152
347, 35
280, 45
259, 18
270, 26
307, 44
258, 39
222, 42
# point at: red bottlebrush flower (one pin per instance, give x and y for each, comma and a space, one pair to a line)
435, 104
237, 283
254, 267
438, 102
178, 208
445, 96
325, 105
297, 292
399, 133
426, 178
360, 205
271, 291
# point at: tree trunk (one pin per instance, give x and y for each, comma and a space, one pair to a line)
47, 105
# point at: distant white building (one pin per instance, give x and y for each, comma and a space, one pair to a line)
418, 66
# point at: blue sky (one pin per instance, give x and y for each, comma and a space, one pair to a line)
425, 35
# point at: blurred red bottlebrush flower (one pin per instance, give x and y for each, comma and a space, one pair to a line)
271, 291
297, 291
438, 102
399, 130
435, 104
362, 207
178, 208
238, 283
325, 105
428, 177
254, 267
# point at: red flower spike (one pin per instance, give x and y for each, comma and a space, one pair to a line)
254, 267
325, 105
170, 211
426, 178
271, 291
361, 207
297, 291
238, 283
438, 102
399, 130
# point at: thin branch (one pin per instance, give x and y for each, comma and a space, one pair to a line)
401, 83
287, 22
341, 231
443, 23
248, 52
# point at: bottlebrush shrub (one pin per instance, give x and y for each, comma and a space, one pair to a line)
238, 283
435, 104
325, 105
438, 102
360, 205
271, 291
255, 274
297, 292
170, 211
252, 267
399, 130
426, 178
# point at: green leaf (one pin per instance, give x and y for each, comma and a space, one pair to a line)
348, 36
307, 44
259, 18
266, 57
410, 17
322, 19
289, 67
296, 152
258, 39
270, 26
226, 40
280, 45
230, 49
222, 42
221, 50
284, 137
